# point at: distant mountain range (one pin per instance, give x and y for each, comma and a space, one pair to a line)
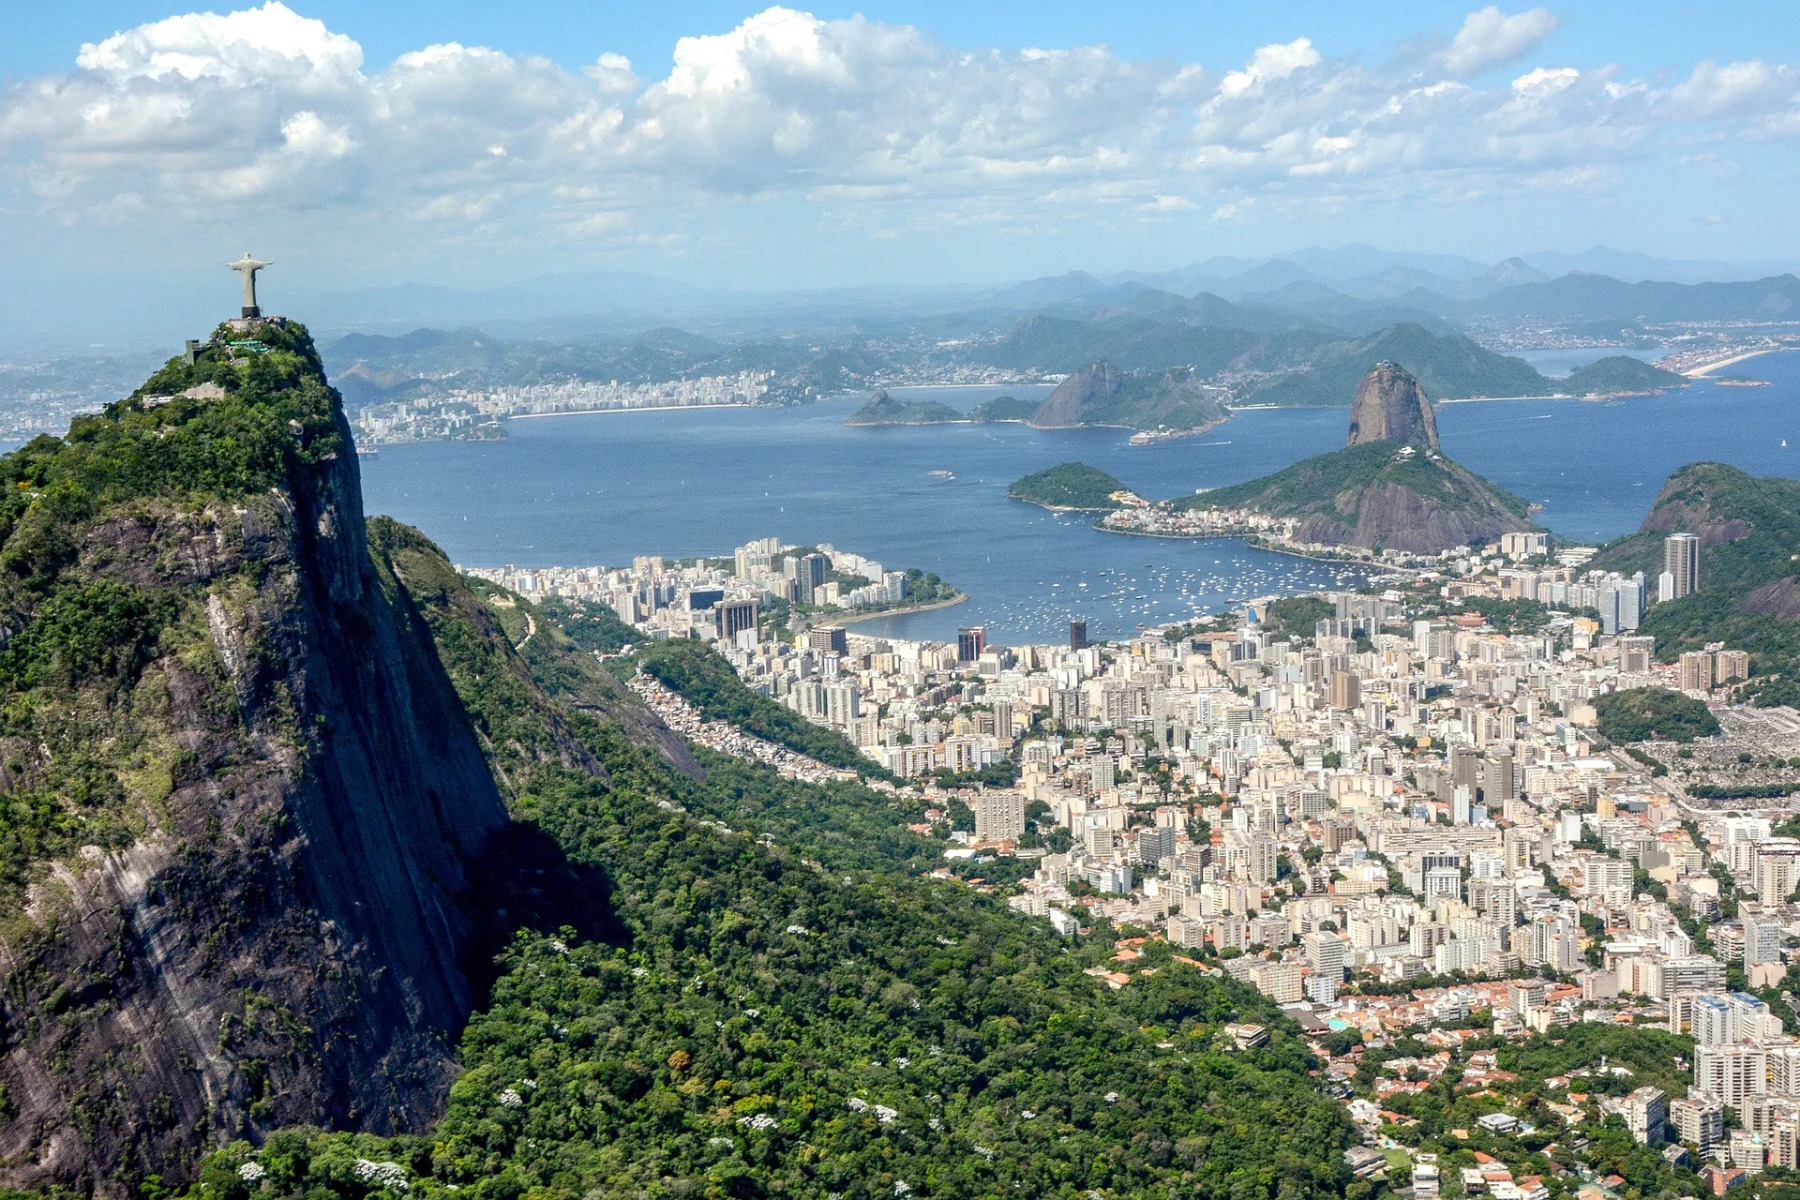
1295, 330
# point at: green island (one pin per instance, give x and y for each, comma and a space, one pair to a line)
1003, 408
1620, 375
1069, 486
883, 409
1653, 714
1172, 401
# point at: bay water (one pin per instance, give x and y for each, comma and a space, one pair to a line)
602, 489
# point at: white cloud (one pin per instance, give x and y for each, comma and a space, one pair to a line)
1490, 38
256, 46
196, 116
305, 133
1270, 62
1714, 90
1544, 80
613, 75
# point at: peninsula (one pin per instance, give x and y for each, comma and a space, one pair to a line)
1390, 487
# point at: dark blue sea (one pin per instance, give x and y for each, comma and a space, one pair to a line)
601, 489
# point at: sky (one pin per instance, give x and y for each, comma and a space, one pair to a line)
362, 144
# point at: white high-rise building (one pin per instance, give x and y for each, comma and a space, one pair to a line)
1729, 1074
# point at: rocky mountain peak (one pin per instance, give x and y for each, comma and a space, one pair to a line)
1390, 406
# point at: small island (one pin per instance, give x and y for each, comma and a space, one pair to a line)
1620, 375
1166, 404
1003, 408
883, 409
1073, 487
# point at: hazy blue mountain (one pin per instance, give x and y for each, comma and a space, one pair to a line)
1601, 297
1634, 268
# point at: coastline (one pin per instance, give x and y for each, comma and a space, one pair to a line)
945, 387
1058, 508
1709, 368
595, 412
1252, 542
906, 611
1500, 399
1184, 433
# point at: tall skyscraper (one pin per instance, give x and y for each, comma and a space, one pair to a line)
1078, 634
807, 572
734, 616
1681, 564
971, 640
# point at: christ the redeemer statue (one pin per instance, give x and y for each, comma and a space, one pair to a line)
249, 266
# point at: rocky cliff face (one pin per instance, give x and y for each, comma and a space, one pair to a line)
1104, 395
1069, 401
1392, 515
1390, 406
1389, 488
252, 907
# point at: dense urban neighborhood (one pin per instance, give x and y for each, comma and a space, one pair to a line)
1513, 875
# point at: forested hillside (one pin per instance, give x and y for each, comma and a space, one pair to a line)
349, 788
731, 1017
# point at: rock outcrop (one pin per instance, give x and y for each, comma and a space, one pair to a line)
1389, 488
1105, 395
257, 909
1390, 406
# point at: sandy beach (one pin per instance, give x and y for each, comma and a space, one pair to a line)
594, 412
1709, 368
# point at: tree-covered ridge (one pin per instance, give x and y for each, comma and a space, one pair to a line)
1070, 485
1749, 594
1330, 482
1653, 714
85, 763
707, 681
275, 413
1448, 367
593, 627
724, 1019
1748, 527
1323, 482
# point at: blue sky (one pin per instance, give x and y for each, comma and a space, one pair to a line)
1644, 37
463, 143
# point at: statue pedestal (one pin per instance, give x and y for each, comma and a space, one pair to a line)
252, 311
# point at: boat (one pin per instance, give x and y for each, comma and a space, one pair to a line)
367, 452
942, 474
